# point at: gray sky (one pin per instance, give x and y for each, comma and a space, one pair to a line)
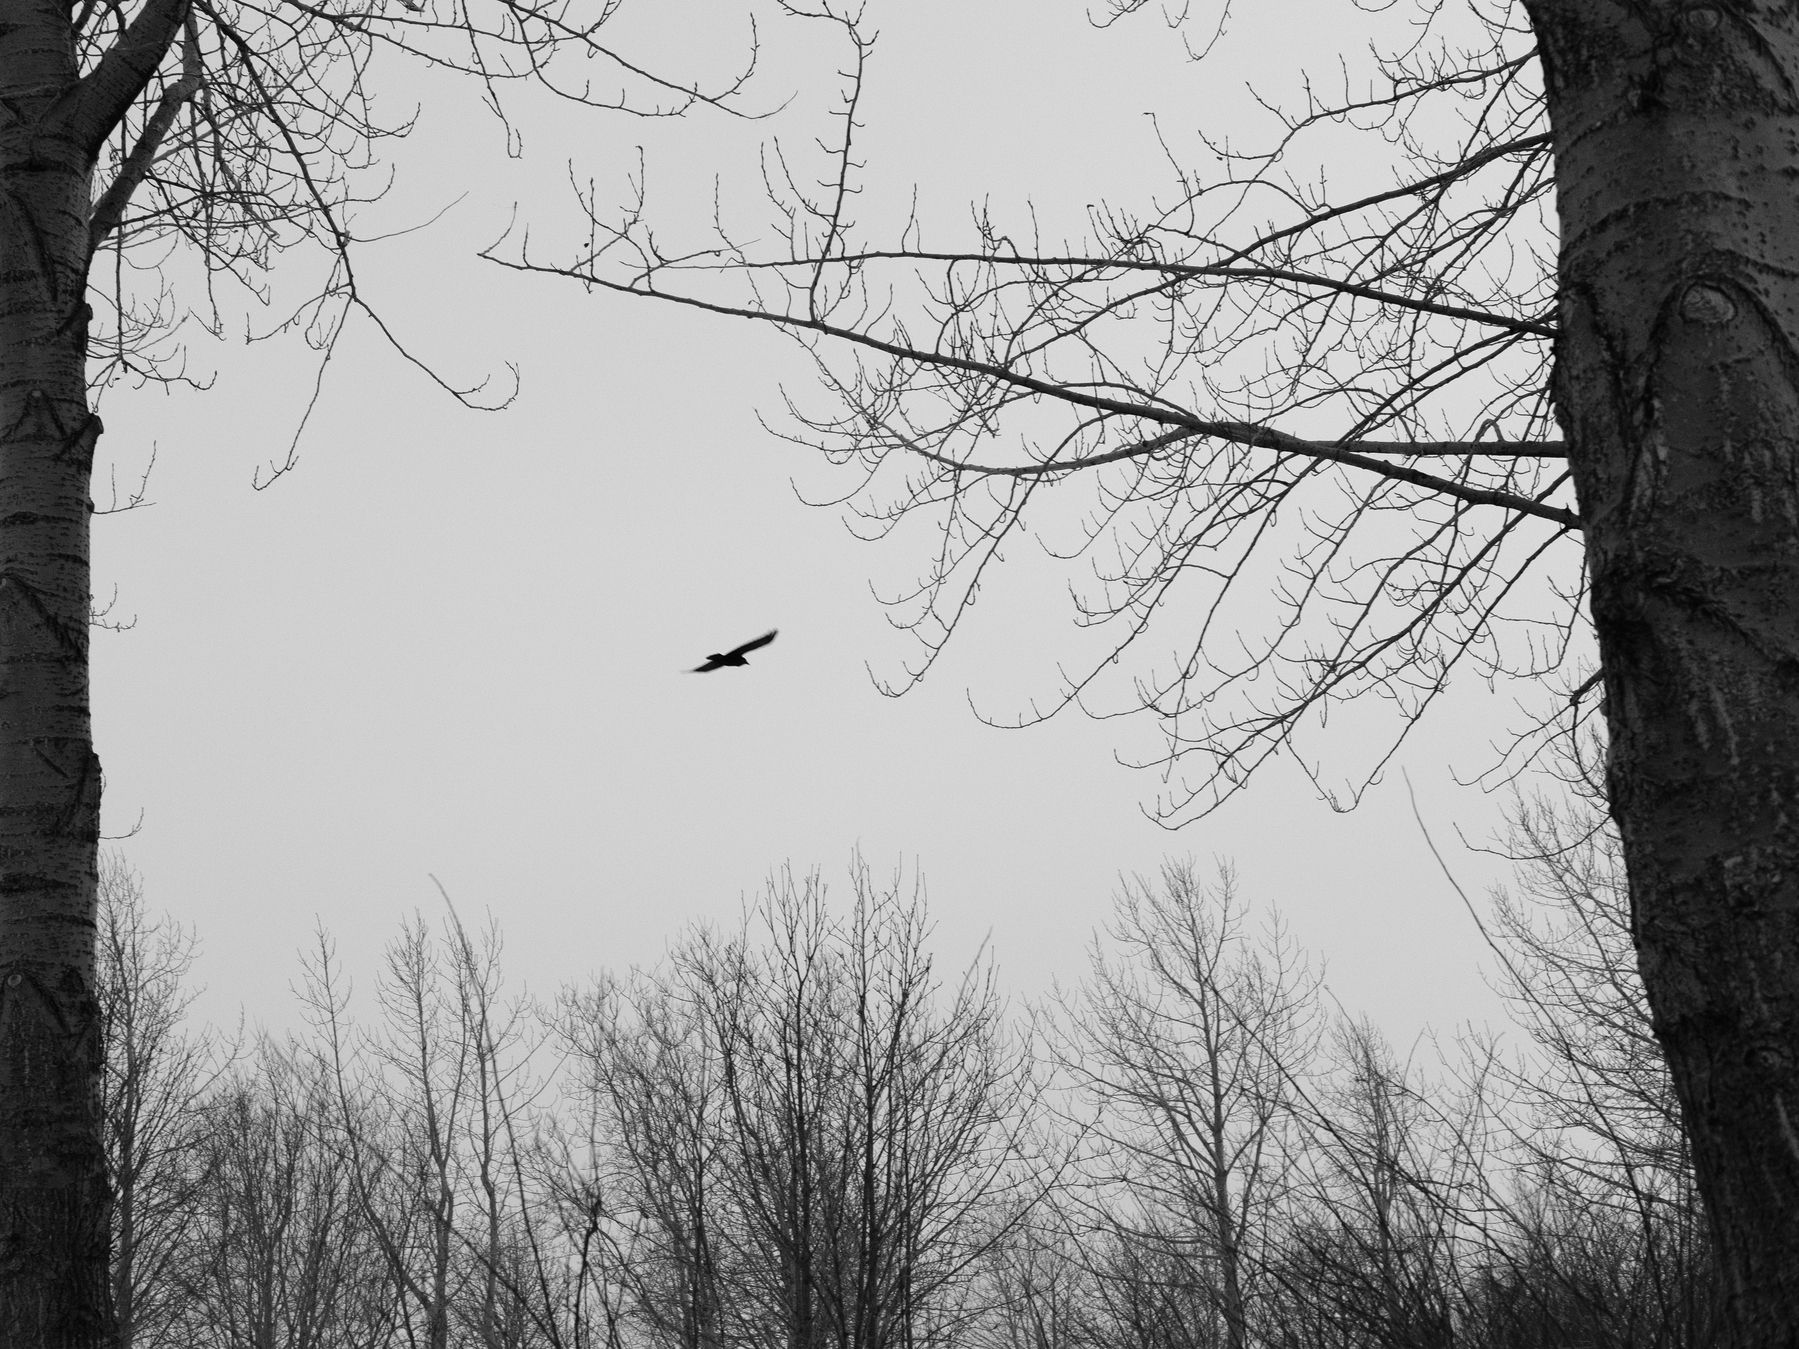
456, 643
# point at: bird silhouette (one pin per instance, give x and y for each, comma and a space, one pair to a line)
735, 656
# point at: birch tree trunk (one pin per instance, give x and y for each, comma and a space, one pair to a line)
53, 1208
1676, 130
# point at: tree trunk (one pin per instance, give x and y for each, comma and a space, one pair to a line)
53, 1209
1225, 1216
1676, 132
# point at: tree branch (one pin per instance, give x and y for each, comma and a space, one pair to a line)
102, 98
1352, 452
110, 209
1175, 271
1357, 454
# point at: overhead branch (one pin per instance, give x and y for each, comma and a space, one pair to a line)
1355, 453
110, 209
1001, 374
1536, 143
103, 96
1177, 272
1183, 426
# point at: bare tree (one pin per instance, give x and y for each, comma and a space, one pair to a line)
427, 1105
1444, 386
1573, 986
1396, 1205
649, 1185
1188, 1039
154, 1101
1041, 1293
817, 1140
1604, 1142
281, 1256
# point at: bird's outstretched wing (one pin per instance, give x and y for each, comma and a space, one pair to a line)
756, 644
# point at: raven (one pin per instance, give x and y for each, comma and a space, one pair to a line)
735, 656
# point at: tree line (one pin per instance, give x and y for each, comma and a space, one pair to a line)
800, 1133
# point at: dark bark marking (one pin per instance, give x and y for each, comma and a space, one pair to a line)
63, 632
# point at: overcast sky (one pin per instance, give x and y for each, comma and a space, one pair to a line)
454, 643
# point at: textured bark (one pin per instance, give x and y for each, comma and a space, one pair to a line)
53, 1211
1677, 157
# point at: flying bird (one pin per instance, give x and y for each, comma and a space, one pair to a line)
735, 656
